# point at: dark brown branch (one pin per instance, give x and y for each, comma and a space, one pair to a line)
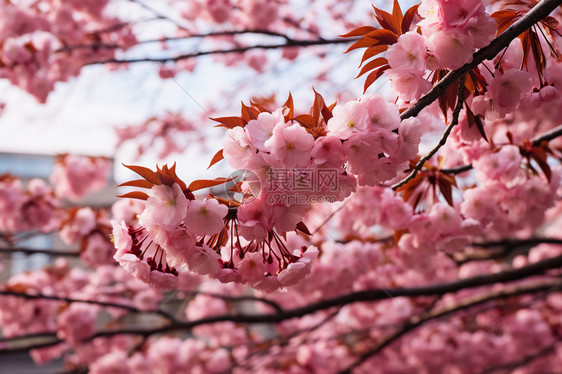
10, 339
367, 295
238, 299
442, 141
10, 351
549, 135
537, 140
508, 246
457, 169
177, 38
293, 43
540, 11
94, 302
32, 251
417, 320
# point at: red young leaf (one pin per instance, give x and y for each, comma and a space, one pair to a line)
216, 158
397, 16
364, 42
360, 31
372, 65
288, 108
408, 18
446, 190
383, 36
229, 122
387, 21
306, 119
317, 106
302, 227
146, 173
371, 78
248, 113
205, 183
142, 183
135, 195
326, 113
373, 51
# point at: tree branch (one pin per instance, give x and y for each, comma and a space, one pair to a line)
442, 141
292, 43
32, 251
177, 38
536, 141
540, 11
130, 308
547, 136
367, 295
417, 320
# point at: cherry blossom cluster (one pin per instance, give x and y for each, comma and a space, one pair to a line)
74, 176
32, 208
105, 284
252, 13
166, 134
449, 33
247, 242
32, 35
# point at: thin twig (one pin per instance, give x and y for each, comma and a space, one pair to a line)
442, 141
130, 308
32, 251
294, 43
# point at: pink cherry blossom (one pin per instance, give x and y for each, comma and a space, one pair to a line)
408, 84
408, 53
205, 217
347, 120
166, 206
291, 145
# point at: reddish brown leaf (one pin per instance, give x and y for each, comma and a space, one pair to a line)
248, 113
371, 78
505, 18
551, 23
397, 16
306, 119
373, 51
446, 190
142, 183
237, 187
409, 17
371, 65
538, 54
146, 173
302, 227
387, 21
206, 183
216, 158
383, 36
317, 106
539, 155
229, 122
288, 108
360, 31
364, 42
135, 195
